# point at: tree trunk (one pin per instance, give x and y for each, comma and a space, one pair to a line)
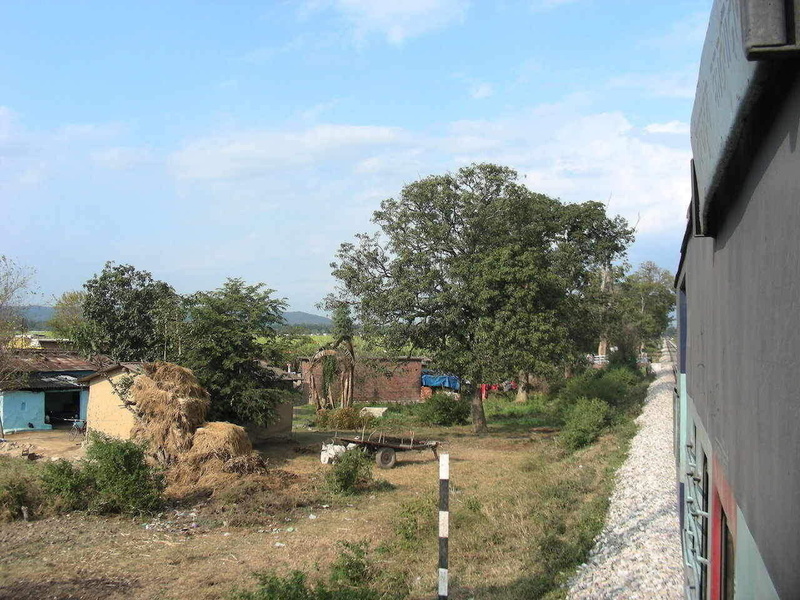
522, 387
605, 284
478, 416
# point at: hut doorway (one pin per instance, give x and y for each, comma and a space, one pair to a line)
60, 406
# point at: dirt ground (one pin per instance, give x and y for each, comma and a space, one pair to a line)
191, 554
56, 443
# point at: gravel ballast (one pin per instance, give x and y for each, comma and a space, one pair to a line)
638, 553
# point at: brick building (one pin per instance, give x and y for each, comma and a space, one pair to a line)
378, 379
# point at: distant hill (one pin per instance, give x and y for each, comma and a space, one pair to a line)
38, 316
304, 318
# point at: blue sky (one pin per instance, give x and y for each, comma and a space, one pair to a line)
203, 140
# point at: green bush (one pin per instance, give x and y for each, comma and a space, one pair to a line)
628, 377
343, 419
19, 487
584, 422
617, 386
351, 473
444, 410
66, 485
415, 519
120, 479
351, 568
296, 587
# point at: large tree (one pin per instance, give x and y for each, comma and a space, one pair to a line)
226, 331
68, 319
15, 282
644, 301
126, 314
481, 272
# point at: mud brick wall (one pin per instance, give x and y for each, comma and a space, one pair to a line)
381, 380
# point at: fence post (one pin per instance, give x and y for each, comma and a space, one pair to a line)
444, 522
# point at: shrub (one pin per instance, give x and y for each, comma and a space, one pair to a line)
66, 486
296, 587
595, 383
628, 377
351, 568
351, 473
20, 491
343, 419
414, 519
584, 422
120, 478
444, 410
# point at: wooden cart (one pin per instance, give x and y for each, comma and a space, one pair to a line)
385, 448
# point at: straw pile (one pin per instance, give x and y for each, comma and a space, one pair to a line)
220, 453
218, 440
201, 457
171, 405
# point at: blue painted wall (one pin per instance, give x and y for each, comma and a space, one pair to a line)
84, 403
18, 408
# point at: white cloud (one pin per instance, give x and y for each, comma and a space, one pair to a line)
254, 153
481, 90
395, 20
672, 127
120, 157
562, 149
581, 157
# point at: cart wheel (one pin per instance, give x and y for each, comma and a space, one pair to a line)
385, 458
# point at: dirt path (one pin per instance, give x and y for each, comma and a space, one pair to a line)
57, 443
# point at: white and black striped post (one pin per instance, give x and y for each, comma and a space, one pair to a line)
444, 521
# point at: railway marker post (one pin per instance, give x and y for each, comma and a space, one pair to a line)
444, 522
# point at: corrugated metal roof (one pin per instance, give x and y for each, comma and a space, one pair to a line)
39, 381
133, 367
49, 361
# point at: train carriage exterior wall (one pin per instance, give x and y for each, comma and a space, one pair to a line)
737, 399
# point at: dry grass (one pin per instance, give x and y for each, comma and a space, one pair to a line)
521, 507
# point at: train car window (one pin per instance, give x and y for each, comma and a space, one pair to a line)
704, 528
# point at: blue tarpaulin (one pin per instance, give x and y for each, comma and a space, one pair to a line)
438, 380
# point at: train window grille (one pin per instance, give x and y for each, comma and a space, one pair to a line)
695, 530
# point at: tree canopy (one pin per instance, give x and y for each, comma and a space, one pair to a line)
478, 270
223, 350
642, 303
15, 283
124, 312
68, 319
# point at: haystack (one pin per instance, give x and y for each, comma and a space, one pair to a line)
220, 453
201, 457
170, 405
218, 440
